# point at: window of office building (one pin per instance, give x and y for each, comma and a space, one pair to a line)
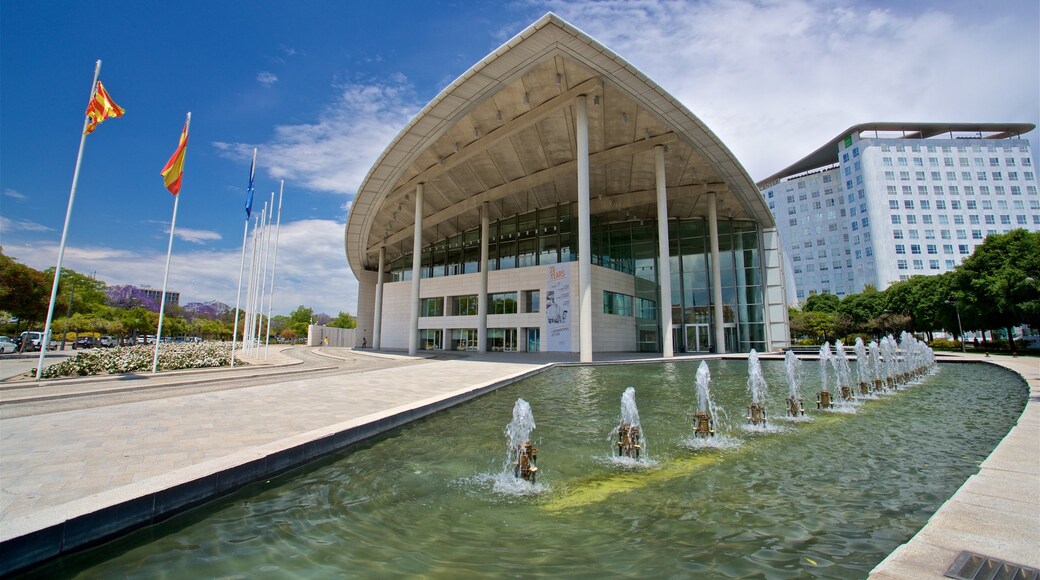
615, 303
532, 301
464, 305
431, 307
502, 303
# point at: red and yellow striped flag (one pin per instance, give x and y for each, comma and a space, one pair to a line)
101, 107
173, 171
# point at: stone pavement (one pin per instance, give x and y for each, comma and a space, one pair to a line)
996, 513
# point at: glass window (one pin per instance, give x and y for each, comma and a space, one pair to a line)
615, 303
431, 306
532, 301
429, 339
464, 305
502, 303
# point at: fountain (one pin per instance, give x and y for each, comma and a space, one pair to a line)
756, 385
842, 373
863, 371
823, 400
521, 455
416, 502
629, 431
876, 370
795, 404
704, 420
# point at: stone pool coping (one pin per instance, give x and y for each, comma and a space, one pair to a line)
114, 509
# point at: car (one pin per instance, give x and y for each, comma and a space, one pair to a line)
34, 337
86, 342
7, 345
109, 341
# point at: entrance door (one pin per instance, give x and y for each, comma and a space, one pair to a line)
678, 342
697, 338
533, 335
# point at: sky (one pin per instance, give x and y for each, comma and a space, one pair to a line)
320, 88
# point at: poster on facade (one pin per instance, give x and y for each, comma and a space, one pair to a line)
558, 313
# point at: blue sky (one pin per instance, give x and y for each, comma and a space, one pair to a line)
320, 88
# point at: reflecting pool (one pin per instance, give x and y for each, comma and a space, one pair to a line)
826, 497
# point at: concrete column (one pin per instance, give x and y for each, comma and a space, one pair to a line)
716, 272
584, 235
413, 327
664, 268
377, 323
482, 301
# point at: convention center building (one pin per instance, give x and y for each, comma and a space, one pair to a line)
528, 206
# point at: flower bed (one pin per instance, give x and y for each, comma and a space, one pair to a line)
129, 359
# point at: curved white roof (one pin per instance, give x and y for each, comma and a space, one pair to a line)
504, 133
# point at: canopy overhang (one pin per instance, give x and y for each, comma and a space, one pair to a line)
504, 134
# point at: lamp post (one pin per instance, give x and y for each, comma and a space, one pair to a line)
960, 331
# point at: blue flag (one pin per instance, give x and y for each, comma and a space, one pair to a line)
249, 190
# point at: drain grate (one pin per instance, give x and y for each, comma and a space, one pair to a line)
971, 566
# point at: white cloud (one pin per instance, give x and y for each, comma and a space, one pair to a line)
10, 225
267, 78
335, 152
775, 80
195, 236
15, 194
312, 268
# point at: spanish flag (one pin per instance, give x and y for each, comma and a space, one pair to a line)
173, 171
101, 107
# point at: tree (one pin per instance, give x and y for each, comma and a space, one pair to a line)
822, 302
299, 319
85, 293
24, 291
859, 309
996, 287
344, 320
129, 297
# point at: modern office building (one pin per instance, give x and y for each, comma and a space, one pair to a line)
884, 201
172, 298
526, 207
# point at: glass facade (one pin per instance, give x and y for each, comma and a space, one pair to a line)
545, 237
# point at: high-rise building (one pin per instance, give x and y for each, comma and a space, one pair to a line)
885, 201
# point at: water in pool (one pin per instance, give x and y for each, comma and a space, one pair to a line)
826, 497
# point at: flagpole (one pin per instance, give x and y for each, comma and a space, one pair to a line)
242, 262
169, 253
45, 342
253, 274
247, 314
238, 295
267, 259
274, 267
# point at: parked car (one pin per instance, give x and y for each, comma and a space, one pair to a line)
7, 345
34, 337
109, 341
86, 342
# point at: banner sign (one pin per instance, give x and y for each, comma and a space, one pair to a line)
558, 313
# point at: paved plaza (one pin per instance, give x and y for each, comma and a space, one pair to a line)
74, 449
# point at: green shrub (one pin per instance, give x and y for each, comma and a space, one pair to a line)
945, 344
138, 358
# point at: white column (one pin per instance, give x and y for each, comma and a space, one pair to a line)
584, 235
664, 270
716, 273
413, 327
377, 321
482, 302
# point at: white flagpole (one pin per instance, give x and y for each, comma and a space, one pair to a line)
241, 269
169, 253
263, 287
274, 267
249, 287
257, 259
45, 342
238, 295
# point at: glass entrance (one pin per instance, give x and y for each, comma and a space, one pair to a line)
533, 336
697, 338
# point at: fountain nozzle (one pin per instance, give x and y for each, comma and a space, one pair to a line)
526, 457
628, 440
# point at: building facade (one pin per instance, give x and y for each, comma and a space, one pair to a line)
885, 201
528, 207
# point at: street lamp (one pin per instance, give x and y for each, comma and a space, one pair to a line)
960, 330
